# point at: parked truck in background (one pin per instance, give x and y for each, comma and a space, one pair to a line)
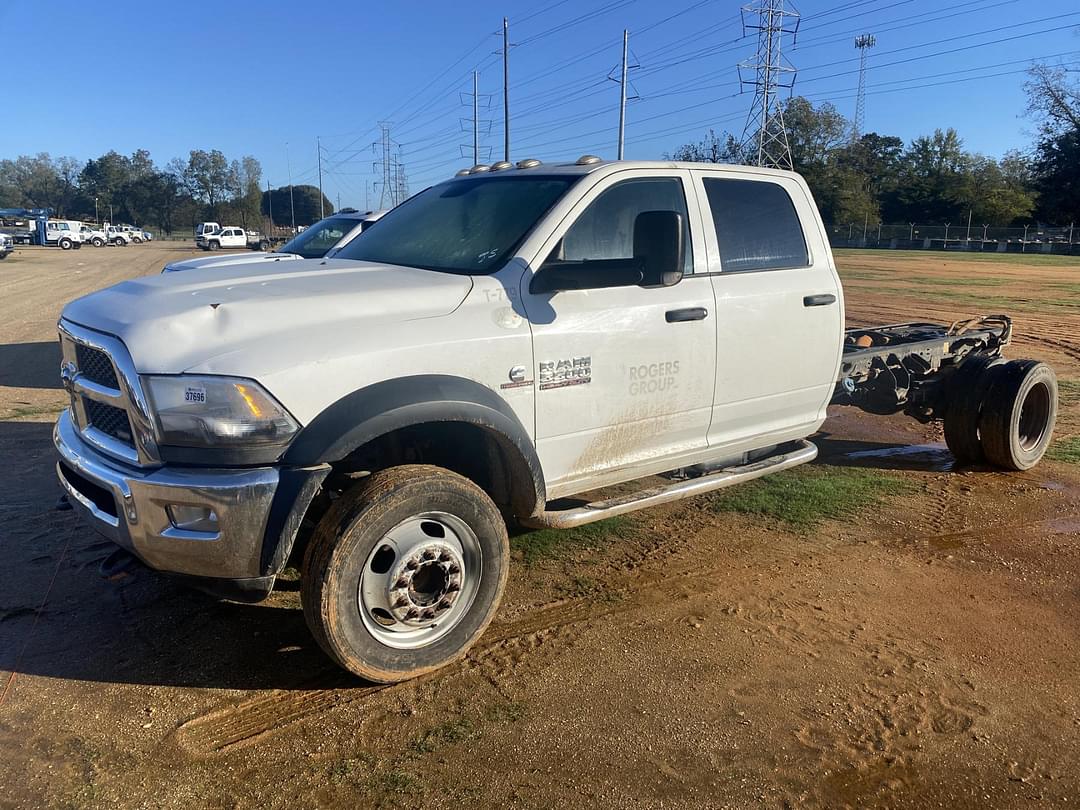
7, 245
321, 239
500, 344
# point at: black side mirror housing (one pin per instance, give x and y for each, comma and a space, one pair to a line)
659, 246
658, 254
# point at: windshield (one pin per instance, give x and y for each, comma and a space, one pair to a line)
469, 226
313, 242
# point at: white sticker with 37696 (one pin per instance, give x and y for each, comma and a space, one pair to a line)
195, 395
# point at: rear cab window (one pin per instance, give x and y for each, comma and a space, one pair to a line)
756, 224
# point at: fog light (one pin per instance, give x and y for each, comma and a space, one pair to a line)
192, 518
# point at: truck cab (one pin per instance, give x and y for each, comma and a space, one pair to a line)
63, 233
500, 344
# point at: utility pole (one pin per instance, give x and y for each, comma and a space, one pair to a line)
765, 140
339, 201
270, 205
863, 42
292, 204
318, 148
622, 94
506, 89
475, 117
968, 239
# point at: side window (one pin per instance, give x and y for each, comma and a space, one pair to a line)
605, 230
757, 227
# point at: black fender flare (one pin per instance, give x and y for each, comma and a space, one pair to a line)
383, 407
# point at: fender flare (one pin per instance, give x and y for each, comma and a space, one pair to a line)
383, 407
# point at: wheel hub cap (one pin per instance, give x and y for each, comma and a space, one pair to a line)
425, 584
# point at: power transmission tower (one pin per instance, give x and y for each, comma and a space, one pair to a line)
387, 165
401, 183
318, 148
863, 42
477, 125
765, 140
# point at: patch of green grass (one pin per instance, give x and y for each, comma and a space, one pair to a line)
959, 281
1067, 450
805, 497
547, 544
1069, 392
452, 731
34, 410
509, 712
964, 256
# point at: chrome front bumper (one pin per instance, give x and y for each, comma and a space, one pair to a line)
131, 508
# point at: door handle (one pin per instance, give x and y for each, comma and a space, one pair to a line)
820, 300
688, 314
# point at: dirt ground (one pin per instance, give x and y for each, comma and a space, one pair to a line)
920, 651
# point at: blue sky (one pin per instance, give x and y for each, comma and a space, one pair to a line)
249, 77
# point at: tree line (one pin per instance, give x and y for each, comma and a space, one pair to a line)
207, 186
933, 179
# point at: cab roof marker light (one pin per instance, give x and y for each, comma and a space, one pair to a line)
587, 160
502, 164
528, 163
479, 167
462, 173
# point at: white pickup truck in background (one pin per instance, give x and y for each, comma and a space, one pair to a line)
500, 344
321, 239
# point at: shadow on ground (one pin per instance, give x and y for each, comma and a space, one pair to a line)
143, 628
30, 365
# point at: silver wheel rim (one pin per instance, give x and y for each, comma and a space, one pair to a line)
420, 580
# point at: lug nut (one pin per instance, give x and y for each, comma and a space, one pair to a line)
454, 568
401, 602
428, 614
412, 565
403, 582
443, 605
445, 557
412, 614
430, 554
453, 586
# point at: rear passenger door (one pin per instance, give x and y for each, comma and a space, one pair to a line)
779, 311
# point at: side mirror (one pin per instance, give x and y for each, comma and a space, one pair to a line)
659, 247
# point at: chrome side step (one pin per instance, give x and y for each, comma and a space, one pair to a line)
803, 452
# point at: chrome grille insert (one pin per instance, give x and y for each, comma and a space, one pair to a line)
96, 366
109, 420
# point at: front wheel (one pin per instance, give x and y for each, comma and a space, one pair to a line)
136, 240
119, 242
404, 572
213, 245
97, 241
65, 244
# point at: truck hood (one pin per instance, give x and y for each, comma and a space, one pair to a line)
228, 260
174, 321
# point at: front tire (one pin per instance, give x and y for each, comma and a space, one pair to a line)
65, 244
213, 245
404, 572
97, 241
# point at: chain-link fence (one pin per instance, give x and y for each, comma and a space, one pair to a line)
949, 236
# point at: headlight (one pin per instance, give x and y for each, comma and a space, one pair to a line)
223, 412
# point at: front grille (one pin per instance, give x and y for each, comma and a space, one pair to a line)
96, 366
109, 420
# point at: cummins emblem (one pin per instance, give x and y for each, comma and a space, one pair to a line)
517, 378
562, 373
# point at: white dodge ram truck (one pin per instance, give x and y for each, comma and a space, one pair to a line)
502, 343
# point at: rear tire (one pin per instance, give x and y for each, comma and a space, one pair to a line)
1018, 418
119, 242
264, 246
404, 572
136, 240
97, 241
966, 395
65, 243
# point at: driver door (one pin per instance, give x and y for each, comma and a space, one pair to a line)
623, 376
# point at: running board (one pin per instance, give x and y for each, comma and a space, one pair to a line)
803, 452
